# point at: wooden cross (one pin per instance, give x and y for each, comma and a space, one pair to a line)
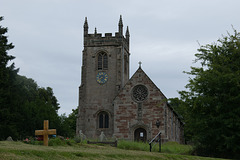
45, 132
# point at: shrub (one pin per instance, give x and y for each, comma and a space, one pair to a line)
70, 142
56, 142
77, 139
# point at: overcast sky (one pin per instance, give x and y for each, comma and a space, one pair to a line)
164, 36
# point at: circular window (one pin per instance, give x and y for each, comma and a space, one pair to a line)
139, 93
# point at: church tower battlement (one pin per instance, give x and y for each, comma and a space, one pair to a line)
96, 39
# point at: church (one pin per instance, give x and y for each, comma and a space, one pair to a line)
111, 102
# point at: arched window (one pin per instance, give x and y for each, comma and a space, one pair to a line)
103, 119
102, 61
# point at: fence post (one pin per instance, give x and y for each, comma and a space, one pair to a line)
159, 142
115, 144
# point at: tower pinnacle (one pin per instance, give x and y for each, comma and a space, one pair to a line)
95, 31
127, 35
85, 26
120, 26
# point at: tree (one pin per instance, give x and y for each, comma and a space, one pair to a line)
34, 105
8, 74
213, 99
178, 105
23, 105
68, 124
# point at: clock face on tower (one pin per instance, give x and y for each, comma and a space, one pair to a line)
102, 77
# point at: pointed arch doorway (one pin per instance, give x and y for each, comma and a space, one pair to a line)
140, 134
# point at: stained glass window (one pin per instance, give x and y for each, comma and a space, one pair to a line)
139, 93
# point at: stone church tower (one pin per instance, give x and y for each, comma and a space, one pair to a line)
111, 102
105, 70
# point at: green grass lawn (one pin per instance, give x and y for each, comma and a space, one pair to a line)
20, 150
169, 147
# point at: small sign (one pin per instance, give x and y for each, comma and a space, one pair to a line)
141, 134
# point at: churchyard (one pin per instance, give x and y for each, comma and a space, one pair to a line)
80, 147
69, 149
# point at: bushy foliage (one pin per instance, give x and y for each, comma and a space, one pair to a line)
78, 139
56, 142
68, 124
213, 98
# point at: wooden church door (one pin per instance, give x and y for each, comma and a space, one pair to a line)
140, 134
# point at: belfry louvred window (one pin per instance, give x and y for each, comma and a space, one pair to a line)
102, 61
103, 120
